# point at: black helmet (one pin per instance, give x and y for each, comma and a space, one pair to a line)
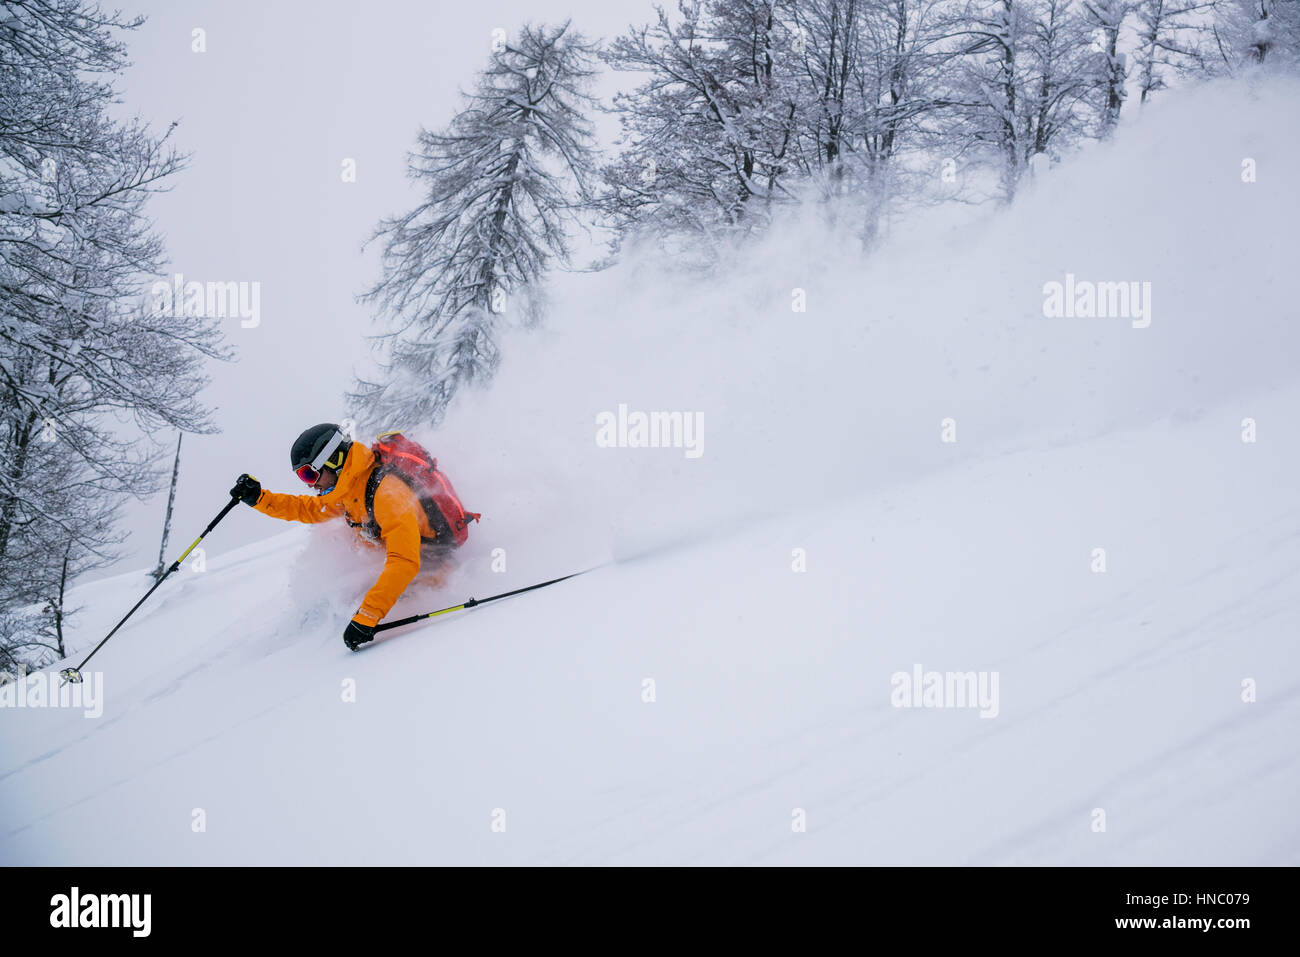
321, 446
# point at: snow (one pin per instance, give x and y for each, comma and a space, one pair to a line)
1119, 691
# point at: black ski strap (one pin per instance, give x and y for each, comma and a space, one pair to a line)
431, 512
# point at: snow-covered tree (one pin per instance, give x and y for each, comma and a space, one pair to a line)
827, 66
988, 87
1074, 89
48, 550
1106, 19
745, 103
872, 92
87, 372
1026, 84
709, 135
1173, 37
1264, 32
499, 185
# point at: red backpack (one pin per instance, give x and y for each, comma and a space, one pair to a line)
397, 455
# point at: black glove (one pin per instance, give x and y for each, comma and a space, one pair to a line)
357, 634
247, 489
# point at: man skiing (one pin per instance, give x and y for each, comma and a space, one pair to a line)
405, 503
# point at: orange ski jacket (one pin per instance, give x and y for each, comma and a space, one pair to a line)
398, 513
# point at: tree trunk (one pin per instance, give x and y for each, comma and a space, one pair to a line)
10, 508
167, 521
58, 603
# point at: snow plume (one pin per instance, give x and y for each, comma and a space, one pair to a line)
815, 371
335, 567
333, 555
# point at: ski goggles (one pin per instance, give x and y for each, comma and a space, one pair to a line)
310, 472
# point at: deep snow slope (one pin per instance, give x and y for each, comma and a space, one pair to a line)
701, 699
1119, 690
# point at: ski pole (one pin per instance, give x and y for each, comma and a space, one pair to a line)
477, 601
74, 674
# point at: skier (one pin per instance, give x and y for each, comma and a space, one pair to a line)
379, 493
